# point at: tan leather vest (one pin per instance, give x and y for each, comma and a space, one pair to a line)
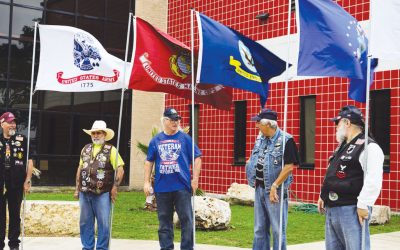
97, 173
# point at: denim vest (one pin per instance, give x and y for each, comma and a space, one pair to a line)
272, 160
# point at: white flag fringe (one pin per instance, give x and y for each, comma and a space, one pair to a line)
73, 60
385, 29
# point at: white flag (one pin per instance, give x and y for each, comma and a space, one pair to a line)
385, 29
72, 60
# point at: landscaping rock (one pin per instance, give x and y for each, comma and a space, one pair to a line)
210, 213
240, 194
51, 218
380, 215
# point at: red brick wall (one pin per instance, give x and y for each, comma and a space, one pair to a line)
216, 128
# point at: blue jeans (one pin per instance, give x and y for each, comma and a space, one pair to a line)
166, 202
266, 216
343, 230
94, 206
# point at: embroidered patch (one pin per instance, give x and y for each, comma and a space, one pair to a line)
340, 173
350, 149
19, 138
360, 141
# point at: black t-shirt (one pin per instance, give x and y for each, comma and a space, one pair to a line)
291, 157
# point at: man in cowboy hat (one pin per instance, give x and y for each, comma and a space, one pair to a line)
15, 178
352, 183
96, 186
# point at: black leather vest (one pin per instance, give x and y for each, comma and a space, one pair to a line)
345, 177
17, 160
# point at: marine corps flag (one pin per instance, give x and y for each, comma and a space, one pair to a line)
229, 58
162, 64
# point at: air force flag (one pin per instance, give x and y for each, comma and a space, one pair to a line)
227, 57
332, 43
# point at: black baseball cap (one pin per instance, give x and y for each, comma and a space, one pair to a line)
172, 114
352, 113
265, 114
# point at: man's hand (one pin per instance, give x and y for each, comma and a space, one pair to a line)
273, 195
147, 188
321, 207
76, 195
362, 214
114, 192
27, 185
195, 186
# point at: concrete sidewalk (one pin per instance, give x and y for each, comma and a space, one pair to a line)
378, 242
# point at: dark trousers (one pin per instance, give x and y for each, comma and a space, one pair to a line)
14, 198
181, 201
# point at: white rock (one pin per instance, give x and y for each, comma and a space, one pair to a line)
51, 218
210, 213
241, 194
380, 215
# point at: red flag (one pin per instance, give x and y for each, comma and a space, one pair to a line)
162, 64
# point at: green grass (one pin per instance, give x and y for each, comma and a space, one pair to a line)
130, 221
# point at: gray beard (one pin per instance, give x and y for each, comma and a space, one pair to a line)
11, 132
98, 141
340, 135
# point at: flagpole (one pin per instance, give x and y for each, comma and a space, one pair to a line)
29, 131
120, 119
367, 96
285, 124
193, 125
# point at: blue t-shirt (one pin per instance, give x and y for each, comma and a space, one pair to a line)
172, 155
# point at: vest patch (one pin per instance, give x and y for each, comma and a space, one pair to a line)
340, 172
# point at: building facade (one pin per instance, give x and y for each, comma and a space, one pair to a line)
58, 118
227, 137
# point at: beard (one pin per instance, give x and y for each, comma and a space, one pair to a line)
98, 141
341, 134
11, 132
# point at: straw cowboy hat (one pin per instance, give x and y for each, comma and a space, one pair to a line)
100, 126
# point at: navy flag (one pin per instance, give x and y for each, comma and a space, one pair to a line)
332, 43
227, 57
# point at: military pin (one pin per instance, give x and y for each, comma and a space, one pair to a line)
275, 162
84, 183
333, 196
17, 143
105, 150
15, 150
15, 154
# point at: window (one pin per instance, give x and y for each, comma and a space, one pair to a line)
196, 122
380, 122
307, 131
59, 117
240, 133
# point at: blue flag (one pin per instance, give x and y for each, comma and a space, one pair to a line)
228, 58
332, 43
